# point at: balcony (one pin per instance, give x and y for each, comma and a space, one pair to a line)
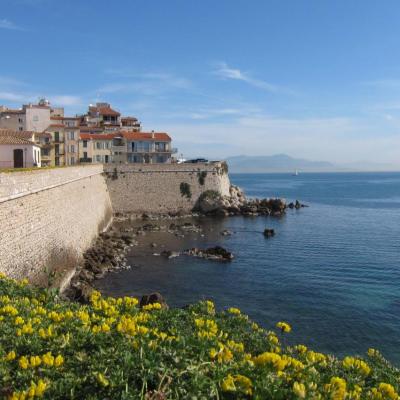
85, 160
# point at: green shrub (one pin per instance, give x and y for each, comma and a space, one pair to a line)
111, 349
185, 190
202, 177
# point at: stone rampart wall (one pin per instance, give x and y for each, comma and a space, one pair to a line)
48, 218
158, 188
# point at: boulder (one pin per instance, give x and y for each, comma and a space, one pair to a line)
153, 298
268, 232
209, 201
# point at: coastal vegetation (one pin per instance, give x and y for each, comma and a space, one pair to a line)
185, 190
113, 349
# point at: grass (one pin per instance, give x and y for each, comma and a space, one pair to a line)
112, 349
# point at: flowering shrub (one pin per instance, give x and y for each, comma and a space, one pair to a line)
111, 349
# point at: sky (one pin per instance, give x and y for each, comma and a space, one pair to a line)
312, 79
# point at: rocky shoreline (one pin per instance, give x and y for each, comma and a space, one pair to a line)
109, 251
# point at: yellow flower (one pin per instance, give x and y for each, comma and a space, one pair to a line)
272, 359
356, 364
337, 388
41, 386
228, 384
384, 391
102, 380
243, 384
234, 310
10, 356
299, 390
23, 362
35, 361
301, 348
48, 359
19, 321
284, 327
58, 361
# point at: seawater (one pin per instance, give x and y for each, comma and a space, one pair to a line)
332, 270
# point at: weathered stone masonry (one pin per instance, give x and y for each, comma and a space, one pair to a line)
158, 188
49, 218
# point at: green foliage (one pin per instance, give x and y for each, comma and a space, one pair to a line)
202, 177
185, 190
111, 349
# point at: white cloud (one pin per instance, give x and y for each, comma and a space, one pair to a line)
149, 83
6, 24
225, 72
16, 97
66, 100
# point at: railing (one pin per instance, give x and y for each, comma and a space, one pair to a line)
85, 160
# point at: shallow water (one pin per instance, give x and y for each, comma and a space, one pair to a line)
332, 270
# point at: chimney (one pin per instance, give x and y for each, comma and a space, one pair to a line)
152, 135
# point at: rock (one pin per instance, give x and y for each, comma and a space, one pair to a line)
226, 232
153, 298
81, 292
297, 205
209, 201
269, 232
153, 245
213, 253
170, 254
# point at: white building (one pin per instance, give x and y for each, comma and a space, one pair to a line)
17, 152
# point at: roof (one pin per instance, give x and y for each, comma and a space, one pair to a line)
56, 126
21, 134
12, 111
146, 136
128, 119
103, 110
97, 136
15, 140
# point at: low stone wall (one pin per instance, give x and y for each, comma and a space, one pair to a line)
48, 218
163, 188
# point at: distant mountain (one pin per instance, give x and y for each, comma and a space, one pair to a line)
278, 163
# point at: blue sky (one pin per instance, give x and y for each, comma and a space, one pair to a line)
313, 79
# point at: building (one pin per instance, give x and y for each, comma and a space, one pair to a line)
104, 118
148, 147
96, 148
31, 117
17, 151
56, 131
71, 137
126, 147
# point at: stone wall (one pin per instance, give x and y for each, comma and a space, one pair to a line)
160, 188
48, 218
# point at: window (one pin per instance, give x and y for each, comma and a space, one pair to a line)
72, 160
56, 136
57, 161
72, 149
85, 143
85, 154
98, 145
57, 149
20, 120
20, 128
72, 136
98, 158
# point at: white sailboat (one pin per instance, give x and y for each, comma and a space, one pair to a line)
296, 173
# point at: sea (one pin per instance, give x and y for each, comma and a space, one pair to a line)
332, 270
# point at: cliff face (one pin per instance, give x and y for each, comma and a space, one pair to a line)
161, 189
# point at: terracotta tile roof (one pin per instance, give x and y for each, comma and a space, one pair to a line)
97, 136
103, 110
146, 136
128, 119
56, 126
57, 118
15, 140
20, 134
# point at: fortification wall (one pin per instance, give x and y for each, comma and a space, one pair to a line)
48, 218
158, 188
